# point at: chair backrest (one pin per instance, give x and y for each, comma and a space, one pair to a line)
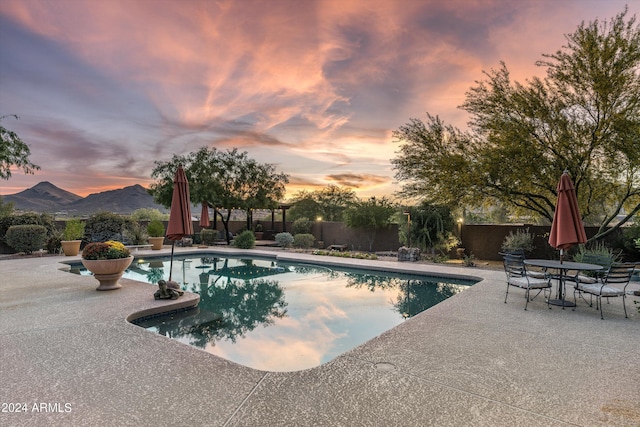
518, 252
620, 273
514, 265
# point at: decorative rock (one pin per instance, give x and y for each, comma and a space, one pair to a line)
408, 254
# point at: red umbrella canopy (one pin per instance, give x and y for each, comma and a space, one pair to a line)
204, 215
180, 215
567, 228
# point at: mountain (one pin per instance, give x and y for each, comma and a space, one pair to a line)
124, 200
43, 197
46, 197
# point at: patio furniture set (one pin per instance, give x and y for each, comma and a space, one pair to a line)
597, 277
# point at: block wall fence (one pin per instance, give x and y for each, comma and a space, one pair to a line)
483, 241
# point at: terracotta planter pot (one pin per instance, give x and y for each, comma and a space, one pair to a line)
107, 271
71, 247
157, 243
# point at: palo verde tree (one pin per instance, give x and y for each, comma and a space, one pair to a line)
221, 179
370, 216
584, 117
329, 203
13, 152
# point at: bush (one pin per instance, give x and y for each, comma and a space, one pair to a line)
135, 233
53, 244
155, 228
522, 239
630, 237
599, 249
147, 214
73, 230
284, 240
245, 240
26, 238
104, 226
208, 236
303, 240
44, 219
301, 226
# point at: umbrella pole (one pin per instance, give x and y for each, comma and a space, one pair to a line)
173, 242
561, 255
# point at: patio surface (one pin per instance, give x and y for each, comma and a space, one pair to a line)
70, 358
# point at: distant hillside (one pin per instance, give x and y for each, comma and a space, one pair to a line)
46, 197
43, 197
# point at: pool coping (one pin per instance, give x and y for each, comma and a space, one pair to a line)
470, 360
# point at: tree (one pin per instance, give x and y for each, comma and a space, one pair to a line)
304, 206
221, 179
583, 117
431, 227
13, 152
333, 201
328, 203
370, 216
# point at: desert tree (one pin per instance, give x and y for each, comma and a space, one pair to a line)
13, 152
370, 216
584, 117
223, 180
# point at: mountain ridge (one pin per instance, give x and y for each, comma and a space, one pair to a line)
46, 197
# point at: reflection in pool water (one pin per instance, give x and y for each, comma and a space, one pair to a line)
279, 316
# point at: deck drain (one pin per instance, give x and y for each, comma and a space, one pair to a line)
385, 366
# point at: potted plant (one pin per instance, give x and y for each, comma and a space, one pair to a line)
72, 237
155, 229
259, 233
107, 261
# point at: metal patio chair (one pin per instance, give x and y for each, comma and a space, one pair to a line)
591, 277
614, 284
516, 271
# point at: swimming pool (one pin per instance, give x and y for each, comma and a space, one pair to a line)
282, 316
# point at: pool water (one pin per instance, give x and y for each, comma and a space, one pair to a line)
277, 316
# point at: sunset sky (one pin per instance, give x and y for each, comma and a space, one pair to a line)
105, 87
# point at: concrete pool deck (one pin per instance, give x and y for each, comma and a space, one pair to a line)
72, 359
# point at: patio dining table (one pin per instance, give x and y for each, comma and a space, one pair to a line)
563, 268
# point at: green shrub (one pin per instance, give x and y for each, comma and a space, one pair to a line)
104, 226
245, 240
73, 230
135, 233
26, 238
303, 240
147, 214
521, 239
301, 226
599, 249
284, 240
346, 254
43, 219
208, 236
155, 228
630, 238
53, 244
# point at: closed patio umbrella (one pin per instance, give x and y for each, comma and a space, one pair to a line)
567, 228
204, 215
180, 216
